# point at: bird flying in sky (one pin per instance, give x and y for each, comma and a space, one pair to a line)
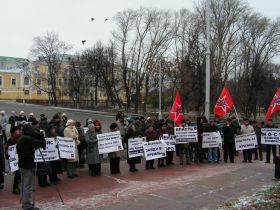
83, 42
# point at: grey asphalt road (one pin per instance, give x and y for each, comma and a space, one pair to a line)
77, 115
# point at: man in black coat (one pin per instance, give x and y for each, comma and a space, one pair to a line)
27, 144
2, 164
268, 146
229, 143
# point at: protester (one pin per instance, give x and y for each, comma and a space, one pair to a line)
160, 132
31, 117
229, 142
132, 132
93, 157
22, 117
150, 135
183, 149
13, 119
246, 128
82, 146
3, 124
212, 152
268, 146
56, 166
43, 121
15, 135
27, 143
114, 156
71, 132
258, 151
169, 154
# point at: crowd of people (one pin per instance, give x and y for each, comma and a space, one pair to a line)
29, 133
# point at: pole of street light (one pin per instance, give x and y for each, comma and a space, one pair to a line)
159, 93
207, 85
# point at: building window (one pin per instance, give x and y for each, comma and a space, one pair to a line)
26, 92
14, 81
26, 80
39, 82
39, 92
0, 92
1, 81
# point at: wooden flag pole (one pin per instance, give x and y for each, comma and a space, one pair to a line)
236, 115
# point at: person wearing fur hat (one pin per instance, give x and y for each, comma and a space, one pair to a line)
93, 157
31, 117
115, 157
150, 135
71, 132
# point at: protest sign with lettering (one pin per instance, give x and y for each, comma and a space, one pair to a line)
135, 147
169, 141
211, 139
186, 134
13, 158
50, 153
66, 147
271, 136
246, 141
154, 149
85, 130
109, 142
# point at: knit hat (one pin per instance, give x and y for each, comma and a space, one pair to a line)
70, 122
113, 126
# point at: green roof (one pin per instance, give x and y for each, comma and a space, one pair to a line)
14, 59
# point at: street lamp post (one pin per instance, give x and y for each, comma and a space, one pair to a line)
207, 85
159, 95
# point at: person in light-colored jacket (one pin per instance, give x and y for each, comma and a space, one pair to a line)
247, 128
3, 123
71, 132
93, 156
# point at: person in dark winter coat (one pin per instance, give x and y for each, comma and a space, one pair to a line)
56, 165
82, 146
229, 143
258, 151
15, 135
22, 117
150, 135
43, 122
13, 119
268, 146
169, 154
27, 143
132, 132
115, 157
93, 157
160, 132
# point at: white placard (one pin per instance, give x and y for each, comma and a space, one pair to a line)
109, 142
154, 149
211, 139
85, 130
135, 147
13, 158
66, 147
246, 141
186, 134
169, 141
50, 153
270, 136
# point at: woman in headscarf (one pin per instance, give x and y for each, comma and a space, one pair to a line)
71, 132
93, 157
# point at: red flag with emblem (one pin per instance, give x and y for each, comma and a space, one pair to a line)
224, 103
176, 112
274, 105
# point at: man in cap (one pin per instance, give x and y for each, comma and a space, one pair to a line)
245, 129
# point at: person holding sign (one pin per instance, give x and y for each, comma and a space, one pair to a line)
132, 132
212, 152
150, 135
27, 144
71, 132
15, 135
270, 147
246, 128
115, 157
258, 151
160, 132
2, 164
93, 157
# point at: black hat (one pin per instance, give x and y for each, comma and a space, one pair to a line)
183, 121
113, 126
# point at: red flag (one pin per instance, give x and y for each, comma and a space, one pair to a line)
176, 112
224, 103
274, 105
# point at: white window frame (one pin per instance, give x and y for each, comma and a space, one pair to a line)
13, 77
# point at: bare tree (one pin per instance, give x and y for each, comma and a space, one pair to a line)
50, 50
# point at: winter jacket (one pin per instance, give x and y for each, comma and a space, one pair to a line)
43, 122
229, 132
93, 156
3, 122
27, 143
246, 129
71, 132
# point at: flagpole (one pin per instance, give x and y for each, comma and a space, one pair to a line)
207, 85
236, 115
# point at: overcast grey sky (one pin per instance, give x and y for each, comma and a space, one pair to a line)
21, 20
